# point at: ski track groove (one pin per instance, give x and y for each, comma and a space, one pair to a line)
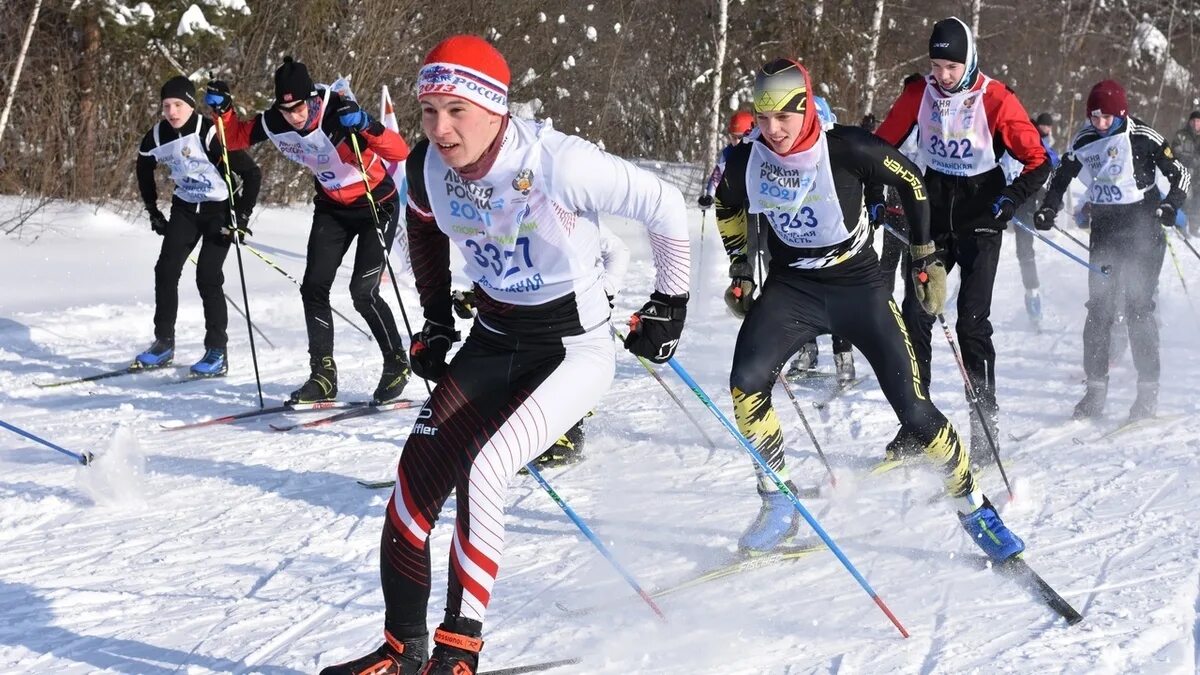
273, 646
1102, 575
936, 641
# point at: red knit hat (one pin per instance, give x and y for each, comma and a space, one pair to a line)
1107, 98
741, 123
468, 67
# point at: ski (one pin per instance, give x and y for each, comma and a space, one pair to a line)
273, 410
842, 388
376, 484
531, 668
740, 563
1128, 426
127, 370
1018, 570
362, 411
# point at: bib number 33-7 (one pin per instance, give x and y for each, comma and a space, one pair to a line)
508, 263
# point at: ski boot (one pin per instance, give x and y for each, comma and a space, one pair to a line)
777, 522
456, 648
988, 531
1146, 403
214, 363
845, 368
568, 449
1033, 305
394, 377
805, 363
904, 447
321, 384
394, 657
1092, 404
158, 355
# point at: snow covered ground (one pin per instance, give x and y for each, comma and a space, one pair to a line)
239, 549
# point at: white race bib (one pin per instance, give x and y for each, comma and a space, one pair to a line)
955, 137
796, 195
196, 179
1107, 170
317, 152
516, 240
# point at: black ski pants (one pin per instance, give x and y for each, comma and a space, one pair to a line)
334, 230
793, 309
188, 225
1129, 239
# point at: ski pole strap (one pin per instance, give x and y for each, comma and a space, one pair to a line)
1098, 269
804, 512
591, 536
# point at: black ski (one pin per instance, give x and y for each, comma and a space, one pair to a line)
1018, 570
376, 484
532, 668
127, 370
362, 411
1129, 426
273, 410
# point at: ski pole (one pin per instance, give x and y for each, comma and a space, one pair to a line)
974, 398
387, 261
239, 310
1098, 269
270, 263
1182, 280
703, 223
652, 371
762, 464
237, 246
1073, 238
591, 536
85, 459
804, 420
1187, 243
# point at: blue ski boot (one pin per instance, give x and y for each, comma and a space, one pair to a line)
1033, 305
214, 363
777, 522
990, 534
157, 355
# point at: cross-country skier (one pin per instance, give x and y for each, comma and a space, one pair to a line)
892, 249
966, 121
1115, 156
1187, 149
1026, 258
312, 126
739, 296
740, 124
521, 202
806, 185
188, 145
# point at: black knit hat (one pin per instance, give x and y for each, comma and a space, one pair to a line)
181, 88
292, 83
1044, 120
1194, 116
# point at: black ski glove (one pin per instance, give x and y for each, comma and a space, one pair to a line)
875, 213
1003, 209
740, 294
463, 303
217, 96
654, 329
427, 354
158, 222
1165, 214
1044, 218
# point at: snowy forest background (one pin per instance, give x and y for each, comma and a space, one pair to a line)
636, 76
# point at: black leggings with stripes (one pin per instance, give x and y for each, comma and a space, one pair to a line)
502, 402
